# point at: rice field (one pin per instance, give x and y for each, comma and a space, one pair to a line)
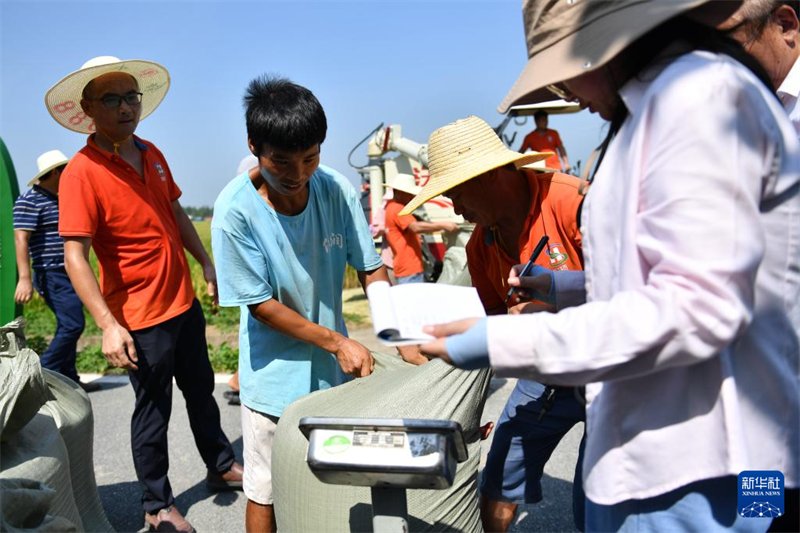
41, 323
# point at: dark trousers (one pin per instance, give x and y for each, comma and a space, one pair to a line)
175, 348
54, 286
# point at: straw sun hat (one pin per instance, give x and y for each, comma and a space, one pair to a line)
463, 150
47, 162
405, 183
571, 37
540, 166
63, 100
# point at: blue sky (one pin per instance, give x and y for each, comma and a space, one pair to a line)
414, 63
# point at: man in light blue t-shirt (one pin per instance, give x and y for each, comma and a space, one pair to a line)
282, 235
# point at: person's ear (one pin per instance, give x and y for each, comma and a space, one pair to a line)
86, 105
786, 17
251, 147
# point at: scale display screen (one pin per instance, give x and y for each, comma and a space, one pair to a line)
384, 452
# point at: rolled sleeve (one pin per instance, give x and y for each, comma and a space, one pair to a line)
242, 273
361, 253
569, 288
470, 350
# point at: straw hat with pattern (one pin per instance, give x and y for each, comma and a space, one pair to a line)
63, 100
463, 150
568, 38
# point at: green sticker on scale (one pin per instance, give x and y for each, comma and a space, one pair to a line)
336, 444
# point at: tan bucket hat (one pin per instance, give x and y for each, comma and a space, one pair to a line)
463, 150
63, 100
405, 183
568, 38
47, 162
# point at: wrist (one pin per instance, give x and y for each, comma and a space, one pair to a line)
333, 342
106, 321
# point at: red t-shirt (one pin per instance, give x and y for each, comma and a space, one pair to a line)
548, 142
144, 275
554, 210
404, 243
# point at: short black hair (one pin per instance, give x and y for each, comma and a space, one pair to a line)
283, 114
90, 86
52, 172
539, 114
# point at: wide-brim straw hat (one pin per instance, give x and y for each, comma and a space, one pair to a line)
63, 100
461, 151
571, 37
540, 166
47, 162
405, 183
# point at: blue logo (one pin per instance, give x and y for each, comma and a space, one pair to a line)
760, 494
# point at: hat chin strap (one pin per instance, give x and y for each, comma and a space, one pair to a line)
116, 144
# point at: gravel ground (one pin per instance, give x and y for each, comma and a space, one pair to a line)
210, 512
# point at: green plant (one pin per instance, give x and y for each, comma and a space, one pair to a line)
91, 360
353, 318
223, 358
37, 343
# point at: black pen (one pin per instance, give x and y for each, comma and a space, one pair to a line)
527, 268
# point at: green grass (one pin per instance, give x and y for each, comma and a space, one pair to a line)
224, 359
92, 361
41, 322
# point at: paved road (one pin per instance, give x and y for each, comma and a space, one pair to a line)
210, 512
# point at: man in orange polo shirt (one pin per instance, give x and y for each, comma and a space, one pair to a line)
403, 231
543, 139
118, 196
513, 207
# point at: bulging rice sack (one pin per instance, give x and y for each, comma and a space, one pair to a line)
395, 389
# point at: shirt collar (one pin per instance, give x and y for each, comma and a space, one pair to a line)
791, 85
38, 188
93, 144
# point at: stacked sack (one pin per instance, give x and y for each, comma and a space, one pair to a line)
46, 440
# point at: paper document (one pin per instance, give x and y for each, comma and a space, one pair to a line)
400, 312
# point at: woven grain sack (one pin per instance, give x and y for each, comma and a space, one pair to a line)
395, 389
72, 411
25, 504
22, 387
454, 265
37, 452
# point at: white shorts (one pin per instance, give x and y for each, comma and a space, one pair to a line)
258, 430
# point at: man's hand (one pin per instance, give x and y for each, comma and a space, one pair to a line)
411, 354
449, 226
118, 347
538, 281
438, 347
354, 358
210, 275
24, 291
